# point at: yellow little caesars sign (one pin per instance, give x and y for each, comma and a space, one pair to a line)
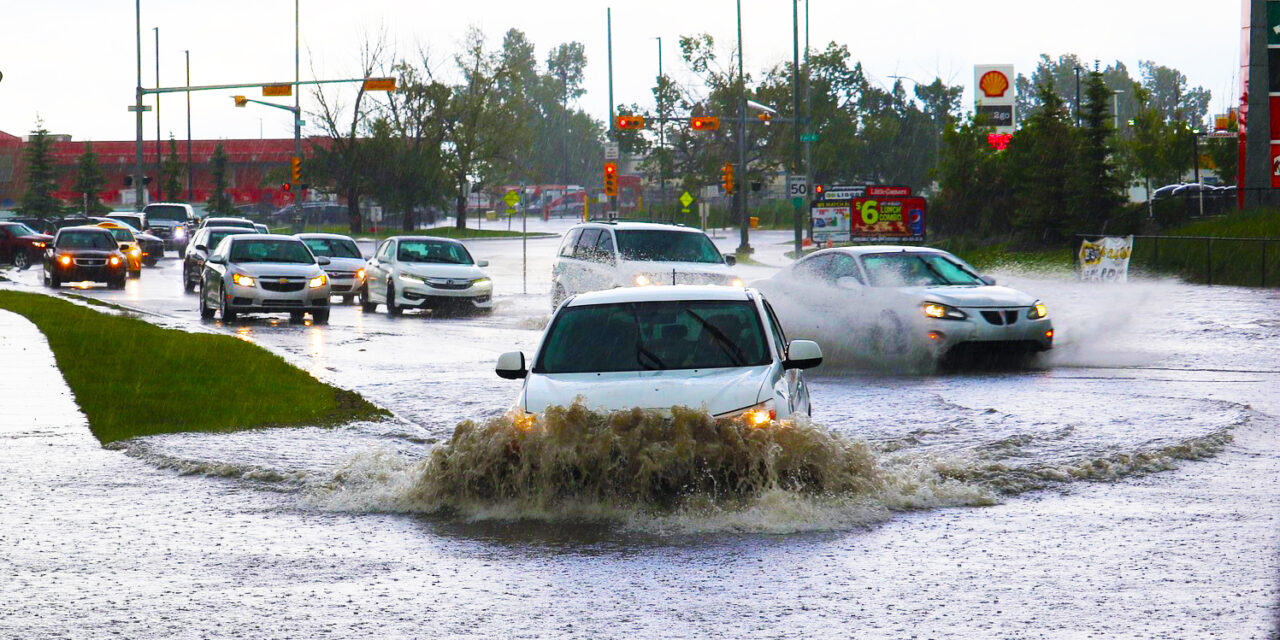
1106, 259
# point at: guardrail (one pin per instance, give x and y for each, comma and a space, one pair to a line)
1212, 260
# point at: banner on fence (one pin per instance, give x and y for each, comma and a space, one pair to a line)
1106, 259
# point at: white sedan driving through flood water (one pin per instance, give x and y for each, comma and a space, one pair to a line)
711, 347
903, 297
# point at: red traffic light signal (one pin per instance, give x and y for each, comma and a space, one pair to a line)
629, 122
705, 123
611, 178
818, 190
286, 187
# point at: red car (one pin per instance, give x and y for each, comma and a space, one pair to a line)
20, 245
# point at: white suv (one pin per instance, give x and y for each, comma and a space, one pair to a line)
720, 349
604, 255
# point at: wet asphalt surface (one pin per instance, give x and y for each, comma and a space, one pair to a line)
1133, 473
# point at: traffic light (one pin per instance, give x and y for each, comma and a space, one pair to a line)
240, 100
286, 187
765, 117
629, 122
611, 178
818, 190
726, 178
705, 123
296, 167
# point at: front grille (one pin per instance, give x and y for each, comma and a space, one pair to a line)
90, 262
451, 285
282, 287
341, 275
1001, 317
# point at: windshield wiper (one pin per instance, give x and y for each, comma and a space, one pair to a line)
941, 278
730, 349
641, 350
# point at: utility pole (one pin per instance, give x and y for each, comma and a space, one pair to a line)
1077, 102
137, 166
795, 107
608, 16
739, 196
297, 101
190, 169
808, 112
662, 136
159, 151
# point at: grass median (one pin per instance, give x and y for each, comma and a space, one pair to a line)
132, 378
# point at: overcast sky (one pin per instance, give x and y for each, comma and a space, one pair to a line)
73, 62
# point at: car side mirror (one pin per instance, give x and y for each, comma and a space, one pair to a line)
322, 261
203, 248
802, 354
216, 260
848, 282
482, 263
987, 280
511, 366
730, 259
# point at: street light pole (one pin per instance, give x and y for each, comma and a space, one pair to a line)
137, 166
159, 152
608, 13
190, 169
795, 109
297, 99
1077, 103
740, 197
662, 136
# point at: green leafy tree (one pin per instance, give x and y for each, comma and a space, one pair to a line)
38, 199
171, 173
89, 183
974, 195
1096, 185
219, 202
1039, 166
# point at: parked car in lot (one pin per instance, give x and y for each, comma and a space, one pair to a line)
912, 295
172, 222
721, 349
39, 225
20, 245
202, 242
261, 228
79, 254
346, 266
603, 255
136, 219
424, 272
257, 273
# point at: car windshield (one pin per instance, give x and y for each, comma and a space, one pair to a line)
905, 269
432, 251
167, 212
216, 236
640, 336
289, 251
18, 230
121, 235
87, 240
667, 246
228, 222
333, 247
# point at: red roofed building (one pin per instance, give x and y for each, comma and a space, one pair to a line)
249, 161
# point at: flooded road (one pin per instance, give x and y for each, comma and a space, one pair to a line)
1125, 485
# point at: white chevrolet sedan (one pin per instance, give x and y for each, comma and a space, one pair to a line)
717, 348
416, 272
911, 295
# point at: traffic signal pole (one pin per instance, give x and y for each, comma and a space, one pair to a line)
608, 14
137, 167
795, 107
297, 105
740, 197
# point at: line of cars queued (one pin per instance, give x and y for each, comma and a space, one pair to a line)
620, 335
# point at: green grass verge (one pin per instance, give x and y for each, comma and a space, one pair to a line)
439, 232
132, 378
1243, 224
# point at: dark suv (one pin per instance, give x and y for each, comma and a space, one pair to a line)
85, 253
173, 222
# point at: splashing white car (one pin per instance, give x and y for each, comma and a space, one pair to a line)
716, 348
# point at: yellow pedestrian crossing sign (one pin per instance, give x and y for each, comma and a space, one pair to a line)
685, 201
512, 199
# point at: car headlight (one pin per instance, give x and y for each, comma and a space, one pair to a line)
179, 232
482, 283
1037, 311
242, 280
38, 245
737, 282
642, 280
409, 277
318, 281
359, 274
135, 252
65, 260
756, 416
942, 311
115, 261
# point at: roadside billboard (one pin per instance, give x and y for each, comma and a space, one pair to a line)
867, 214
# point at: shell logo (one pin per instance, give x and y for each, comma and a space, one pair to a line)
994, 84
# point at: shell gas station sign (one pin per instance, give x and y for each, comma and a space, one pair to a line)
994, 97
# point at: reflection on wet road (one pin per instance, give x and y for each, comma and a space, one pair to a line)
256, 527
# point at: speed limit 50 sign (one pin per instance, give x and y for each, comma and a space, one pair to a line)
797, 187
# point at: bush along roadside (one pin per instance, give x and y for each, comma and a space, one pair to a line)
132, 378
